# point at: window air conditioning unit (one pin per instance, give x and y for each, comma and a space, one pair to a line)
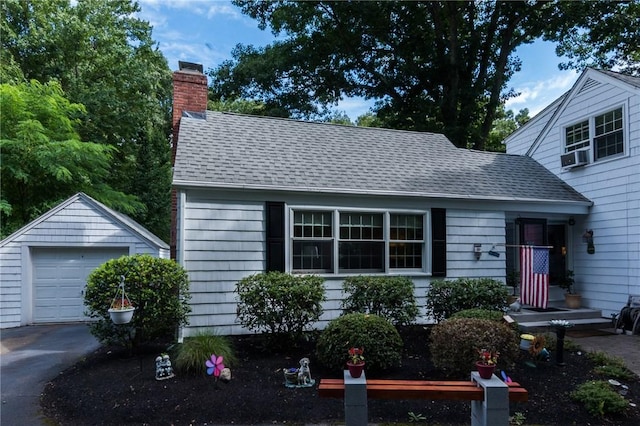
576, 158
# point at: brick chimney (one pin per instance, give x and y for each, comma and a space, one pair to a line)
190, 92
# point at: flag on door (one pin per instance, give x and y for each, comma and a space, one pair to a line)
534, 276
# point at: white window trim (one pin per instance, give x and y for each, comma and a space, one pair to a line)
592, 133
426, 252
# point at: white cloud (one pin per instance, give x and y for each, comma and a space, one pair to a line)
536, 95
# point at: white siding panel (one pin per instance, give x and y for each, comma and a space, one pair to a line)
608, 276
220, 249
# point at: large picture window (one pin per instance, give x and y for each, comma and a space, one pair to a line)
357, 241
603, 134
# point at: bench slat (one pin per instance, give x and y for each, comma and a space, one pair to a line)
419, 389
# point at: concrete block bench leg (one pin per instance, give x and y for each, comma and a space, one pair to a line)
494, 410
355, 400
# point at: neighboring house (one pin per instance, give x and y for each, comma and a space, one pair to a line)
256, 193
45, 264
590, 138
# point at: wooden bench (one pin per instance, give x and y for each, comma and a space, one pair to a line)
490, 398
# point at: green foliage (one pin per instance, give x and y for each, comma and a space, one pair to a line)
158, 288
610, 366
279, 303
104, 58
599, 398
415, 418
326, 50
191, 355
378, 337
43, 159
517, 419
454, 344
479, 313
389, 297
445, 298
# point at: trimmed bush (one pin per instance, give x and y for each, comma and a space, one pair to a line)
599, 398
279, 303
454, 344
159, 290
480, 314
389, 297
191, 355
379, 338
445, 298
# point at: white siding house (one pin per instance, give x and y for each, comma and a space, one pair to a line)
45, 264
596, 126
259, 193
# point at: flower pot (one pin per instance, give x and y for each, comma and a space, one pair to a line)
572, 300
485, 371
121, 316
291, 377
355, 370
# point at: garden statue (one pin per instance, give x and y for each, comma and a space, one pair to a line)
163, 367
299, 377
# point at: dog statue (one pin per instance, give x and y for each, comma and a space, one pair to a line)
304, 372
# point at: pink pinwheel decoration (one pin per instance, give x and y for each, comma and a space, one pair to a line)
214, 365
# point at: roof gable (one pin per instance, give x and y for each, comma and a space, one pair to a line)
589, 79
100, 208
249, 152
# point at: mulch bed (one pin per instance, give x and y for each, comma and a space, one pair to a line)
110, 388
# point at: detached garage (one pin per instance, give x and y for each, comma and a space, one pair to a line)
44, 266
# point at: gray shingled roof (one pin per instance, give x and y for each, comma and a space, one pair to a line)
241, 151
629, 79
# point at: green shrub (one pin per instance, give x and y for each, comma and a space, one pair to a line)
158, 288
599, 398
191, 355
610, 366
378, 337
445, 298
480, 314
454, 344
279, 303
389, 297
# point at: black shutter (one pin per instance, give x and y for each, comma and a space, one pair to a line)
275, 236
439, 242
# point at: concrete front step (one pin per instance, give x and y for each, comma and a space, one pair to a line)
583, 318
528, 315
578, 324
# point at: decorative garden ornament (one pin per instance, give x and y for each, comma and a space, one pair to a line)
121, 309
164, 370
299, 377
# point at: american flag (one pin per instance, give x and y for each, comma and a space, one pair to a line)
534, 276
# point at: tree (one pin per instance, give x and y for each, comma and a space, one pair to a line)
612, 41
505, 124
433, 66
104, 58
44, 160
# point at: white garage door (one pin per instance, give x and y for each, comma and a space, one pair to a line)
59, 278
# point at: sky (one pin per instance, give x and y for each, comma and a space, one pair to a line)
206, 31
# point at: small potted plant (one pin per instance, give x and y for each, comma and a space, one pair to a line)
487, 363
355, 364
121, 310
571, 299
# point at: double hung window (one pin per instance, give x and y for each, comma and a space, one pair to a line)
603, 134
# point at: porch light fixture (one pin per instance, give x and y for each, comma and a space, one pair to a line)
477, 250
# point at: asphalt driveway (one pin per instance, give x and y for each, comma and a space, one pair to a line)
30, 357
